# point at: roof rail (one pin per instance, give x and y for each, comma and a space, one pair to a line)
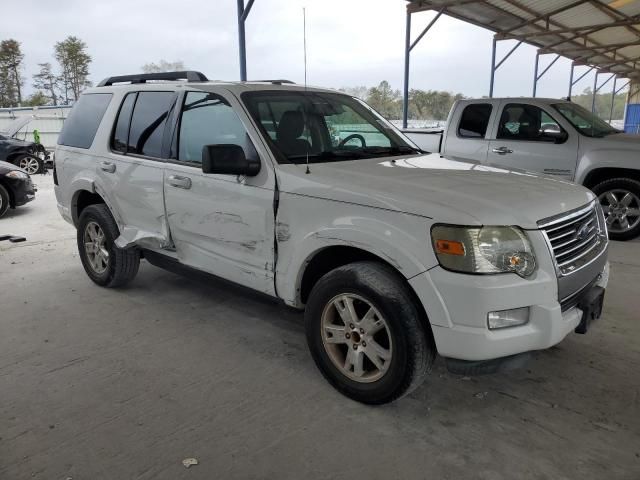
188, 75
275, 82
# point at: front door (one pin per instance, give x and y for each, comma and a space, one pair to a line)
529, 138
222, 224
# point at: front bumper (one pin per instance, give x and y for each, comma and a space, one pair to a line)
457, 306
24, 191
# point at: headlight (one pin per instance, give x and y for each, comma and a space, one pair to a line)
483, 250
17, 174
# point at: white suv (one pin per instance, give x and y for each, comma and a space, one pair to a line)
311, 197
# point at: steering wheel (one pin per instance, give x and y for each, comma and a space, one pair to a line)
352, 136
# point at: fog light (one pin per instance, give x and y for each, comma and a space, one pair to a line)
508, 318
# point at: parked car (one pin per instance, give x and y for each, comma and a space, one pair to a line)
555, 137
29, 156
16, 187
393, 255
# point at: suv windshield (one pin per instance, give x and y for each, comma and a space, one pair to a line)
323, 127
584, 121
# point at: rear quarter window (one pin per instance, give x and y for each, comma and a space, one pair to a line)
81, 126
474, 120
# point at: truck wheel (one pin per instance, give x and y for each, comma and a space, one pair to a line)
366, 335
106, 264
30, 164
4, 201
620, 200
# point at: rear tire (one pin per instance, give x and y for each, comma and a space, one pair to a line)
386, 352
620, 200
105, 263
4, 201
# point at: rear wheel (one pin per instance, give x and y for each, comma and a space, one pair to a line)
365, 333
620, 200
4, 201
105, 263
30, 164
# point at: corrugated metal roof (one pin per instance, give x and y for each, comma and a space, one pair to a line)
600, 33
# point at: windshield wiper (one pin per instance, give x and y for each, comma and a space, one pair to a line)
402, 149
330, 155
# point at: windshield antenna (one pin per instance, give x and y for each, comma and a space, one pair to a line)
304, 43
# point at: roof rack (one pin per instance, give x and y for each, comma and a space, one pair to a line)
188, 75
275, 82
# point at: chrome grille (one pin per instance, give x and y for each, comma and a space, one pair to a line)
575, 238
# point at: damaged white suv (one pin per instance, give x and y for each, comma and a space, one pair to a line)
311, 197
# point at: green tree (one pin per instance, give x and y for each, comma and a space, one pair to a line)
37, 99
47, 83
74, 62
385, 100
163, 66
359, 92
603, 103
11, 58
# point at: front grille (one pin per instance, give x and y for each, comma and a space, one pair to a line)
575, 238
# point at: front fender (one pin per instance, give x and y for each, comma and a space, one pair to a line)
401, 240
606, 158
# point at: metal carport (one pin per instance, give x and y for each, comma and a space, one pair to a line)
602, 36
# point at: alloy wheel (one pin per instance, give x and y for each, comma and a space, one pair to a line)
621, 209
356, 338
94, 246
29, 165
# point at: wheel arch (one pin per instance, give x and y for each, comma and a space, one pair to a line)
599, 175
326, 259
81, 200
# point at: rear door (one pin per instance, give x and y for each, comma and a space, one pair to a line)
132, 173
468, 131
222, 224
530, 138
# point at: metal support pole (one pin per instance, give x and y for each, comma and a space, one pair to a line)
613, 98
493, 67
570, 81
593, 97
535, 75
405, 90
241, 42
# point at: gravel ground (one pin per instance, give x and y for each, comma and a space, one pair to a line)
126, 384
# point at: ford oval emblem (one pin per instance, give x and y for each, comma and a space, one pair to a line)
583, 231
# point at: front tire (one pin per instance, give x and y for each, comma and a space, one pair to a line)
620, 200
30, 164
4, 201
366, 334
105, 263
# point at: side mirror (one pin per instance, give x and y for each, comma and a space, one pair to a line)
228, 159
553, 135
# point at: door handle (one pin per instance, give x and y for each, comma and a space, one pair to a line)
108, 167
179, 182
502, 150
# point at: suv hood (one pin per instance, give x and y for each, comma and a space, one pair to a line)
446, 190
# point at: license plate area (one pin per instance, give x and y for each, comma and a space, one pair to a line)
591, 305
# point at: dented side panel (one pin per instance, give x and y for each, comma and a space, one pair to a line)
307, 225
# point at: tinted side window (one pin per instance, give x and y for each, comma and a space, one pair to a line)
121, 130
147, 124
526, 122
475, 120
81, 126
208, 119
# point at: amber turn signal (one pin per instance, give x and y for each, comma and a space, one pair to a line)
449, 247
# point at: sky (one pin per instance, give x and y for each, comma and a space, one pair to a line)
349, 43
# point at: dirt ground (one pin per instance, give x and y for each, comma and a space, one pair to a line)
125, 384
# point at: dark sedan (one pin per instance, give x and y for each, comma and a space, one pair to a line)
16, 187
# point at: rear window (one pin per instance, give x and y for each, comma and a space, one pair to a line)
81, 126
475, 120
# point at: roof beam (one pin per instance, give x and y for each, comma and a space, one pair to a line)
545, 16
591, 28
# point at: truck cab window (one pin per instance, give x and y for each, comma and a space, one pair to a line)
527, 122
475, 120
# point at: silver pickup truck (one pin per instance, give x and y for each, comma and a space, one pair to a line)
551, 136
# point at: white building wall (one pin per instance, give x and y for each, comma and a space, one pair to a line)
47, 120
